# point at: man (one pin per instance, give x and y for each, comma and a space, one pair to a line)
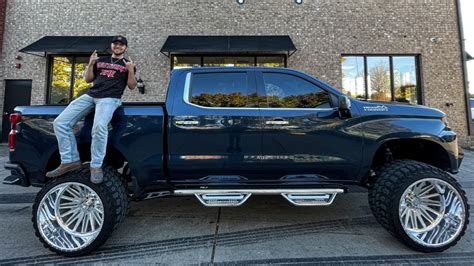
110, 75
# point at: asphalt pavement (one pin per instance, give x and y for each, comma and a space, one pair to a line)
265, 230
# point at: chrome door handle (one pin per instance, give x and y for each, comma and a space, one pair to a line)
186, 123
277, 122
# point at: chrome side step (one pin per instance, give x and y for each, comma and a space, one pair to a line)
307, 199
236, 197
222, 199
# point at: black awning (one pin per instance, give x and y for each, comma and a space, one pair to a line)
69, 44
228, 44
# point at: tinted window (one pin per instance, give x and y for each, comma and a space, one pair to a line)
379, 78
182, 61
67, 79
228, 61
386, 77
288, 91
186, 61
404, 74
271, 61
353, 80
221, 90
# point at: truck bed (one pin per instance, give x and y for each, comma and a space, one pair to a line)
133, 125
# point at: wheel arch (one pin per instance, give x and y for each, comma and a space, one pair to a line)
417, 149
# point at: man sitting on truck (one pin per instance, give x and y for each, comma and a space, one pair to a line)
110, 75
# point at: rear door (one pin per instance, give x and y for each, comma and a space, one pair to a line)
214, 126
303, 134
17, 92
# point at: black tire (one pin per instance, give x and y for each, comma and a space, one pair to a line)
385, 194
112, 194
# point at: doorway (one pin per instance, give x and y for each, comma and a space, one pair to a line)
17, 92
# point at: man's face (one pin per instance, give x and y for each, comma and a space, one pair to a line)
118, 48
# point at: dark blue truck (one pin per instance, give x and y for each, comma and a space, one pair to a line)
225, 134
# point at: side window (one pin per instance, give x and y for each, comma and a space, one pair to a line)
221, 90
288, 91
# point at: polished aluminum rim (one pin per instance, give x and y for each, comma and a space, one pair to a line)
432, 212
70, 216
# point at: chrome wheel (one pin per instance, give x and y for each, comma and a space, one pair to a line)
70, 216
432, 212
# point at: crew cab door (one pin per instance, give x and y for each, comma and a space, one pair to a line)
303, 134
214, 126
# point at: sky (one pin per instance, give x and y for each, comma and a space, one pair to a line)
467, 10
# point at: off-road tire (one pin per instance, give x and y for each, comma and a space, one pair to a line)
391, 181
112, 194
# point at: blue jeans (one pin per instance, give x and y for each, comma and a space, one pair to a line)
75, 111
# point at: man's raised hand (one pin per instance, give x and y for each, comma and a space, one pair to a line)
130, 65
93, 58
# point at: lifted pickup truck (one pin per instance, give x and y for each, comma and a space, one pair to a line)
225, 134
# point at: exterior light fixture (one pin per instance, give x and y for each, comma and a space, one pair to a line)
240, 2
298, 2
141, 86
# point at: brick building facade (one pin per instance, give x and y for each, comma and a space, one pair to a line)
3, 7
322, 30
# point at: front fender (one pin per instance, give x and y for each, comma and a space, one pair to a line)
380, 131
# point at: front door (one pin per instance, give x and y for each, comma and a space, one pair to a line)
17, 92
303, 135
214, 127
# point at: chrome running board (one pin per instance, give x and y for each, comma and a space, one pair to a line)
222, 199
236, 197
310, 199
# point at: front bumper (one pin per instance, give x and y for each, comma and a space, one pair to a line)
17, 177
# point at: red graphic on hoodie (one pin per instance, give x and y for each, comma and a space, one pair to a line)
109, 70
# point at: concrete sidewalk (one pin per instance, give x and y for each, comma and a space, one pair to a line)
265, 230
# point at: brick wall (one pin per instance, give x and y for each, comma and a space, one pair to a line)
322, 30
3, 7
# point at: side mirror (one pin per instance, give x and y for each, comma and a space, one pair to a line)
344, 106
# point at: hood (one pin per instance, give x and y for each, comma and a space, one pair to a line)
397, 109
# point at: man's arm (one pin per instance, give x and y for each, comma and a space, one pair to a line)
131, 81
89, 76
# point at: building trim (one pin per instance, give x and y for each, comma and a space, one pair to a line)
464, 67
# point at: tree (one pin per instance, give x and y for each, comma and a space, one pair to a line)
62, 77
380, 83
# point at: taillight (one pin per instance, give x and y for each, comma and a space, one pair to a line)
14, 119
12, 140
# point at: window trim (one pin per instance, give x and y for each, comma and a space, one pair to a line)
258, 75
284, 56
261, 81
419, 85
187, 91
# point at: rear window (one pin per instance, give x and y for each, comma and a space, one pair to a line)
221, 90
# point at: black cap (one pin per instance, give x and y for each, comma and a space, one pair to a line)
121, 39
